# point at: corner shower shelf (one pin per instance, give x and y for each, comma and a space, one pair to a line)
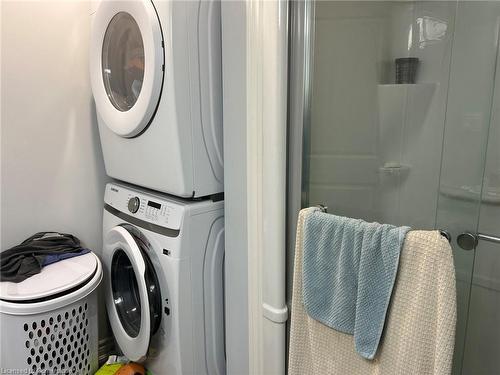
394, 170
404, 104
420, 94
416, 86
419, 91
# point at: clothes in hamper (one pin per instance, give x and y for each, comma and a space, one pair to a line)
27, 259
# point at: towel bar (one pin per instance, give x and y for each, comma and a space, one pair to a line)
444, 233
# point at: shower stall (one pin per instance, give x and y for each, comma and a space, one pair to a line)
377, 136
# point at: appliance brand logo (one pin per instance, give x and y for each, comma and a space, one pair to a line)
114, 189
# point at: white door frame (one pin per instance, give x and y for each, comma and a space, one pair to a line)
267, 103
255, 60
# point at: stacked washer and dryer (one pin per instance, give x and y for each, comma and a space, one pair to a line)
156, 79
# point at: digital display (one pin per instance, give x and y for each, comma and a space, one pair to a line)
154, 205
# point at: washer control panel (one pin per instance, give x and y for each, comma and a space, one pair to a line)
145, 206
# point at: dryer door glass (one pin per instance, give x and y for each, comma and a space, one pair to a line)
126, 65
123, 61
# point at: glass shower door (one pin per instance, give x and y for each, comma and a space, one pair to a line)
401, 151
469, 118
482, 338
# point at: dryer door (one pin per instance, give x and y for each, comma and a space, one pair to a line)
133, 296
126, 64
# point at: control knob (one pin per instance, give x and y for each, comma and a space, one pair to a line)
133, 204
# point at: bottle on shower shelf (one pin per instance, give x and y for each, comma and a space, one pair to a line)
406, 69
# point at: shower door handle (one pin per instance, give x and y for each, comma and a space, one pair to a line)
468, 240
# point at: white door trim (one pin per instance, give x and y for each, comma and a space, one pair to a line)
254, 63
267, 58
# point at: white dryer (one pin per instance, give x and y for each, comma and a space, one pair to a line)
163, 266
155, 69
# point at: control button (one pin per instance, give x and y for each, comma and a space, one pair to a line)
133, 204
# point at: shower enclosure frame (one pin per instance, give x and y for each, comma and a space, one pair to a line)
301, 45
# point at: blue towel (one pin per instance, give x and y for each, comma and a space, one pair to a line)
349, 269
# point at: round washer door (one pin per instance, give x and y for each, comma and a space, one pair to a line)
133, 300
126, 64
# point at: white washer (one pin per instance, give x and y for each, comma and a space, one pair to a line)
163, 264
155, 69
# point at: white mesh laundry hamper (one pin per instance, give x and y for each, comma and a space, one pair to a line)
48, 323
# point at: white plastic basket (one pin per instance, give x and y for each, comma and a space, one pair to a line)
53, 336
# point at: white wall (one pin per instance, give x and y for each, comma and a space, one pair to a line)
52, 169
52, 173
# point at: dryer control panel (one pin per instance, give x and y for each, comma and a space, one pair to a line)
145, 206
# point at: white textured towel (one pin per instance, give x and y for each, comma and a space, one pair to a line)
420, 328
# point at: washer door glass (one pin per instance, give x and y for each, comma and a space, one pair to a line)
125, 290
151, 280
123, 61
126, 293
133, 297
